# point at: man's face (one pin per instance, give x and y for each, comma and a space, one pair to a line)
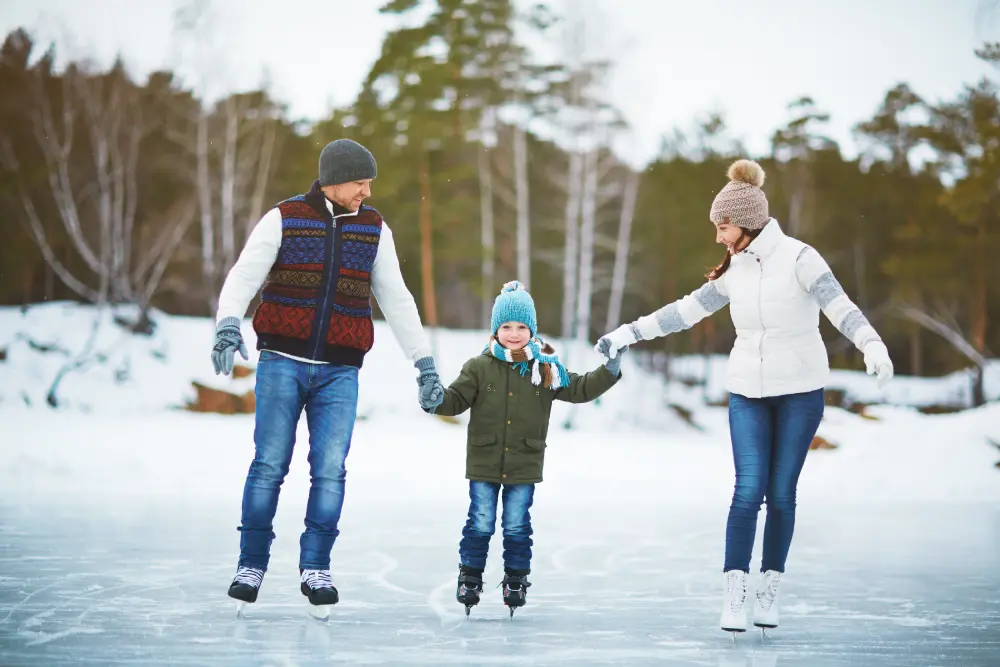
349, 195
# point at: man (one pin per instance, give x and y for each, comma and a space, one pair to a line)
319, 257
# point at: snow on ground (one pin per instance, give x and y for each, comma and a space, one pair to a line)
118, 515
952, 390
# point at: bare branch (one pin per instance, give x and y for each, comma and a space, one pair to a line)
165, 222
505, 194
8, 159
84, 358
35, 224
951, 335
183, 215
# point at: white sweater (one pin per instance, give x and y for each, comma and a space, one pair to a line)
775, 288
394, 299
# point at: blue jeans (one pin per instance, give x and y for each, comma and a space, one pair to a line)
771, 437
516, 523
329, 394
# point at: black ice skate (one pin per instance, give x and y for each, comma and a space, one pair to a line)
515, 589
245, 586
470, 587
317, 585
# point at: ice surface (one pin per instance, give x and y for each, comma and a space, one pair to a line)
637, 585
119, 539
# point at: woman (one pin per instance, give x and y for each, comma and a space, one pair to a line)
775, 286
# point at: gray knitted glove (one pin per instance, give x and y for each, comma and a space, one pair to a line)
615, 365
228, 339
431, 390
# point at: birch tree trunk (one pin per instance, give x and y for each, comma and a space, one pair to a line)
227, 231
256, 210
486, 219
795, 212
523, 220
622, 251
204, 187
571, 251
426, 246
588, 222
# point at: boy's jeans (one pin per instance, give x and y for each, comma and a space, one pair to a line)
516, 523
771, 437
329, 395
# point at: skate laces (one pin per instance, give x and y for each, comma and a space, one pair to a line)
250, 576
736, 589
317, 579
768, 591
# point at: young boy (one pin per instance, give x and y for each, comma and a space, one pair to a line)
510, 388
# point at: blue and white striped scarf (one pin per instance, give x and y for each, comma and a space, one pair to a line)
547, 370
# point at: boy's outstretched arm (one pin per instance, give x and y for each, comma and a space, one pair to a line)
461, 394
589, 386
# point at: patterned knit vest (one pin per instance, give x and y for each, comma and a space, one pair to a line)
316, 301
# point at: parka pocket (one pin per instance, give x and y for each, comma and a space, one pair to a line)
525, 461
482, 439
482, 456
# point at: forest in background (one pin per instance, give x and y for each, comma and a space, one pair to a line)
493, 166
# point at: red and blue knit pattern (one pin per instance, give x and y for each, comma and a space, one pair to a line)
293, 294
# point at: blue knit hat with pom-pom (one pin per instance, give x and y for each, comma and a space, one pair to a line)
514, 304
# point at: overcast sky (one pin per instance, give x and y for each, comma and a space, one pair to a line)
675, 60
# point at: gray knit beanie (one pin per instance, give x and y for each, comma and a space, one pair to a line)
343, 161
741, 202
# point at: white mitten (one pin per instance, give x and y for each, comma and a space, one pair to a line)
610, 344
877, 362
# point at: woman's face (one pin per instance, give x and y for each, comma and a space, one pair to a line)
730, 236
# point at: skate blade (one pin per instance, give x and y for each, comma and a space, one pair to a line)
240, 606
320, 612
733, 632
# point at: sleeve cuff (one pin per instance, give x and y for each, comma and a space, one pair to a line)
229, 322
424, 364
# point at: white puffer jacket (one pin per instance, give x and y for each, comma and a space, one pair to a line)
776, 288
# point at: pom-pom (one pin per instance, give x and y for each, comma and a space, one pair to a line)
513, 286
746, 171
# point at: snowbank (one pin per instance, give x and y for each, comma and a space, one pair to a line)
125, 372
130, 373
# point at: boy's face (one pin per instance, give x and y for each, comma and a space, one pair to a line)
514, 335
